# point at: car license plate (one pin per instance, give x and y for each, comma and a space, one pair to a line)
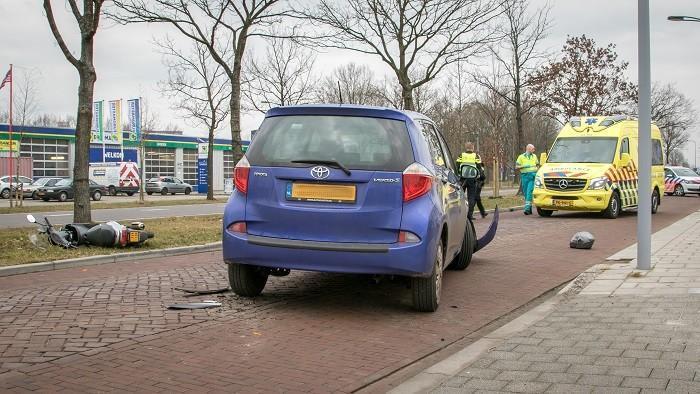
133, 236
563, 203
321, 192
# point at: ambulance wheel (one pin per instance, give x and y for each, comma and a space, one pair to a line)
678, 191
188, 191
427, 291
164, 191
112, 191
246, 280
613, 209
545, 213
462, 260
654, 201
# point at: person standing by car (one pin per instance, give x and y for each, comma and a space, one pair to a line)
472, 172
527, 164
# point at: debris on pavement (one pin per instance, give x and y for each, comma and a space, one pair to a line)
582, 240
191, 293
196, 305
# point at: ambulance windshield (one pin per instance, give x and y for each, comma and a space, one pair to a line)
583, 150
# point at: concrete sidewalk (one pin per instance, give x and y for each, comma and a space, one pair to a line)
625, 331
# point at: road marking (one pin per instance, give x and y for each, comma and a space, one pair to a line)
156, 209
63, 214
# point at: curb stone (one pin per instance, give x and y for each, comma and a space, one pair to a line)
106, 259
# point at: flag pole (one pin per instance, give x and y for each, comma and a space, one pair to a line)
11, 152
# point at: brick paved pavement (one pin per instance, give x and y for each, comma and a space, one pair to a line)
624, 332
104, 328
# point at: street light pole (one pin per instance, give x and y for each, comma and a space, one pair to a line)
644, 183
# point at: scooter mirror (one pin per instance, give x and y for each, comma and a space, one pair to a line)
31, 218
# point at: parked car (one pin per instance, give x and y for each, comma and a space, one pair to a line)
29, 191
681, 181
5, 184
167, 184
348, 189
63, 190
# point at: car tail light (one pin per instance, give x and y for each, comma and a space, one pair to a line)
124, 236
240, 175
238, 227
407, 236
417, 181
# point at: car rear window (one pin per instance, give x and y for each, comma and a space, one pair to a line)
360, 143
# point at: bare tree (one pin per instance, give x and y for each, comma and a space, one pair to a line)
586, 80
282, 77
417, 39
517, 56
25, 108
149, 123
674, 114
87, 22
201, 90
351, 83
216, 24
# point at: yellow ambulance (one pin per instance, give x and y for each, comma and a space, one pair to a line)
592, 166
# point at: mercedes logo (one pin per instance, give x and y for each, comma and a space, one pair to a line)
320, 172
563, 184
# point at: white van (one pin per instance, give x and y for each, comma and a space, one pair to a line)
122, 177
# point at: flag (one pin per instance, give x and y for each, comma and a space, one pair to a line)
97, 128
7, 79
113, 134
134, 112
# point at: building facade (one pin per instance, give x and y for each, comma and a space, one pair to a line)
52, 151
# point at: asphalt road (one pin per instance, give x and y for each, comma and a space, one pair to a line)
14, 220
107, 328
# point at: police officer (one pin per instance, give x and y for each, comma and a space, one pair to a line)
472, 171
527, 163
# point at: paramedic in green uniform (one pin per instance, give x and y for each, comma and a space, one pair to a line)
527, 163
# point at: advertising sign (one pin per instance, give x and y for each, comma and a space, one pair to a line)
113, 133
112, 155
202, 175
5, 146
97, 124
134, 113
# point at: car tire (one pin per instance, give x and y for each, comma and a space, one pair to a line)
34, 197
172, 194
5, 193
149, 193
97, 195
112, 191
246, 280
654, 201
45, 199
63, 197
464, 258
679, 191
613, 209
164, 191
545, 213
188, 190
427, 291
129, 194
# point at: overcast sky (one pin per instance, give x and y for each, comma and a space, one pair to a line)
128, 66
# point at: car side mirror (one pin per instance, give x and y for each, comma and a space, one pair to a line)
543, 158
31, 218
625, 160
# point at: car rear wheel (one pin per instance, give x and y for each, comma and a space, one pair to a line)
63, 197
246, 280
188, 191
545, 213
427, 291
678, 191
97, 195
464, 257
613, 209
164, 191
654, 201
5, 193
112, 191
34, 197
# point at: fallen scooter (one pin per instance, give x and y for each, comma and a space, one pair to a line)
109, 234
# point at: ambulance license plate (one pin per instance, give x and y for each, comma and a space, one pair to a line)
563, 203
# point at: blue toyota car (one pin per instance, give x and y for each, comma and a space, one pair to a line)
350, 189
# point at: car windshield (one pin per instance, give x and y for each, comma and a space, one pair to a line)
154, 180
40, 182
64, 182
355, 142
684, 172
583, 150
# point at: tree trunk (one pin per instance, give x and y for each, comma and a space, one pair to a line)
81, 182
235, 102
407, 96
210, 166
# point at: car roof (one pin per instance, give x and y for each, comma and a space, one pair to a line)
346, 110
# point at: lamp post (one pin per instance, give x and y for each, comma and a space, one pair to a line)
644, 183
677, 18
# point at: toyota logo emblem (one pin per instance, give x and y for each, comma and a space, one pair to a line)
320, 172
563, 184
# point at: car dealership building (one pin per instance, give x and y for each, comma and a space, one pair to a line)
52, 153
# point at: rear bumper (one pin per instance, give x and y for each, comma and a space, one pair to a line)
410, 259
589, 200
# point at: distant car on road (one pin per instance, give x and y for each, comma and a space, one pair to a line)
5, 184
349, 189
29, 191
63, 190
681, 181
167, 184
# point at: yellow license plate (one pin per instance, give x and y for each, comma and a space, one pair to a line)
563, 203
133, 236
321, 192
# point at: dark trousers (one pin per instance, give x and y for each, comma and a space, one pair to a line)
473, 189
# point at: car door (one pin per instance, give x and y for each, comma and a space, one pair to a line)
179, 185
